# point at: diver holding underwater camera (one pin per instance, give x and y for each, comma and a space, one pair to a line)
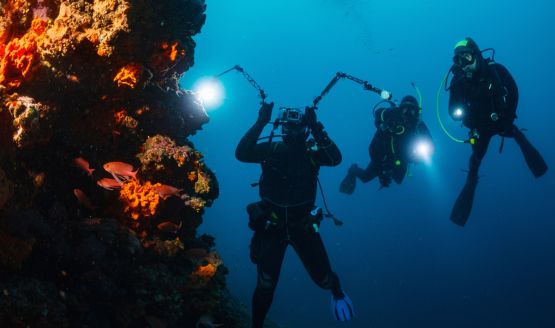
286, 214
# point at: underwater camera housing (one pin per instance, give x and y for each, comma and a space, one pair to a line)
290, 115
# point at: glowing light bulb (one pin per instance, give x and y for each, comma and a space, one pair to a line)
458, 113
385, 94
423, 151
211, 91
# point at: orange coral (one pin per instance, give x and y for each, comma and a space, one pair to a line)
123, 119
19, 55
192, 176
119, 116
141, 200
167, 55
129, 75
174, 51
206, 271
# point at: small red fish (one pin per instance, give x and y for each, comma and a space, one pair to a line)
82, 163
166, 191
169, 226
109, 184
72, 78
83, 199
120, 170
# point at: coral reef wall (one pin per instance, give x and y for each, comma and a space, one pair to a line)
100, 190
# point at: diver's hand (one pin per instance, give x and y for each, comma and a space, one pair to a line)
310, 118
265, 113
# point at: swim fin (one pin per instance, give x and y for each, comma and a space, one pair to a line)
348, 184
533, 158
342, 308
463, 204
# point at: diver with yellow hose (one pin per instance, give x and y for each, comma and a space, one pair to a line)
484, 96
401, 138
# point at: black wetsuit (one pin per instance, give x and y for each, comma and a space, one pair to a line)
288, 191
391, 147
489, 98
490, 91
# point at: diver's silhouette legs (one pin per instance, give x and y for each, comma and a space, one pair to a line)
271, 250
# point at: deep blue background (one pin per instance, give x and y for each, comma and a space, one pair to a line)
401, 260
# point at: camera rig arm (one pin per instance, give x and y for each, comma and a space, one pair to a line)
367, 86
248, 78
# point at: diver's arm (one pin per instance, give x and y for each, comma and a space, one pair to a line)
508, 112
328, 153
248, 150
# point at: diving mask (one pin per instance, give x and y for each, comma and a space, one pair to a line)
464, 59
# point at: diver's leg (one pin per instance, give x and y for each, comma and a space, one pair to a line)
400, 172
348, 184
463, 204
310, 248
270, 252
533, 158
479, 150
368, 174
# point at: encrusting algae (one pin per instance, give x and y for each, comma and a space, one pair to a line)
158, 148
202, 185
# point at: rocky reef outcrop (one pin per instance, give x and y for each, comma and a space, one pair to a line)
101, 192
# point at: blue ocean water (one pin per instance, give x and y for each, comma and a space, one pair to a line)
400, 259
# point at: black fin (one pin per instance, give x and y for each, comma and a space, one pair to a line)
348, 184
533, 158
463, 204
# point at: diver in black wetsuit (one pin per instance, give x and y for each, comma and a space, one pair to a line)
484, 96
401, 138
286, 215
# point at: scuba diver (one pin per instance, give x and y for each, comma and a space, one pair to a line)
484, 96
401, 138
286, 214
